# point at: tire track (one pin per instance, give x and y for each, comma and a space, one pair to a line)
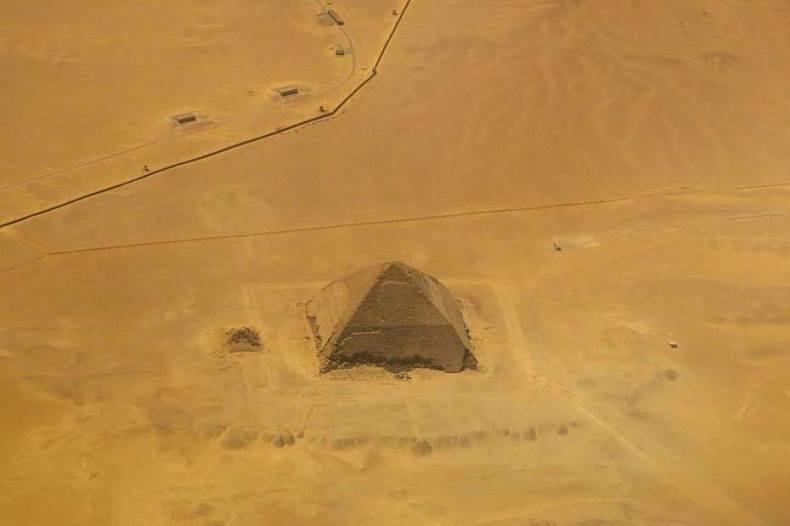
417, 219
23, 263
77, 166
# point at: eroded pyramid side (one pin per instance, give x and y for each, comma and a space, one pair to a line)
338, 301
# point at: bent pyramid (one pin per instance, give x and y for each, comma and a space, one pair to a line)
390, 315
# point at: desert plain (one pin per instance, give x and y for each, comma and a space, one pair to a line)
604, 187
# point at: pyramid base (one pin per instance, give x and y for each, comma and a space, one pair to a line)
398, 350
395, 365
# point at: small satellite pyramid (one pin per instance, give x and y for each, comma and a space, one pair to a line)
390, 315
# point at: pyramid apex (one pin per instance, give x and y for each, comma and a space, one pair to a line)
399, 264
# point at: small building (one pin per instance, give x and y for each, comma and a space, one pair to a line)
185, 118
288, 91
335, 17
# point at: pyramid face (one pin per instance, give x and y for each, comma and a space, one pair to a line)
390, 315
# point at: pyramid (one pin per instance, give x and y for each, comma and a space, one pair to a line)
389, 315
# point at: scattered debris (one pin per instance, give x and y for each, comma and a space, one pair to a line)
312, 321
530, 434
422, 448
239, 438
720, 60
283, 440
243, 339
557, 246
402, 375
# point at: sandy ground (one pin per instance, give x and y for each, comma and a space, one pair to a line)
648, 139
116, 80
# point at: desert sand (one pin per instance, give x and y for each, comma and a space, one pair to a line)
602, 186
